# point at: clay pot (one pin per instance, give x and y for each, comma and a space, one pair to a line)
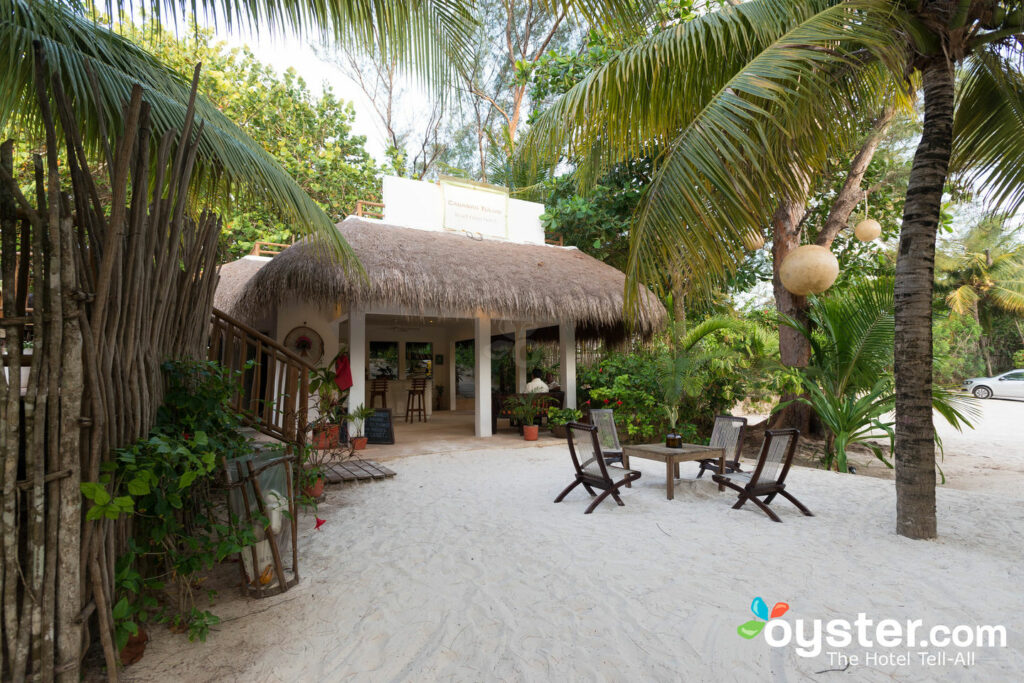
326, 437
530, 432
867, 230
359, 442
809, 269
317, 489
134, 648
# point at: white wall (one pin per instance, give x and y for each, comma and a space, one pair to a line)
420, 204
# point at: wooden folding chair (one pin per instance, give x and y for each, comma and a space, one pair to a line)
769, 477
728, 434
591, 469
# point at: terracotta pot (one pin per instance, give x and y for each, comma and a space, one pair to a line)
326, 437
530, 432
317, 489
134, 648
359, 442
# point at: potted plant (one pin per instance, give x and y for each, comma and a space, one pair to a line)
525, 408
310, 474
559, 417
328, 400
358, 419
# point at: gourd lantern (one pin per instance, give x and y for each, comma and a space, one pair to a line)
809, 269
867, 230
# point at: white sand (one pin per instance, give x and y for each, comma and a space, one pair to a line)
461, 568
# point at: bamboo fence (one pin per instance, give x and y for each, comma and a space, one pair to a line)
119, 280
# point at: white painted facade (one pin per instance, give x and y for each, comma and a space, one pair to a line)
486, 213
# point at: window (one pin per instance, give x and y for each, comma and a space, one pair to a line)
418, 359
1016, 376
383, 361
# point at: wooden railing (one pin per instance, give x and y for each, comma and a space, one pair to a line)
268, 248
365, 209
555, 240
274, 393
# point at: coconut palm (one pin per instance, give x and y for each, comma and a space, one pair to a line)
984, 272
849, 380
745, 103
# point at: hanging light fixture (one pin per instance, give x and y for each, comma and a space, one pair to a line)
809, 269
868, 229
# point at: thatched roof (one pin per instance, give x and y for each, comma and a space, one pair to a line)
448, 272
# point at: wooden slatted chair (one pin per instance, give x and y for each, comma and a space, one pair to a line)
379, 387
591, 469
769, 477
415, 401
728, 434
607, 435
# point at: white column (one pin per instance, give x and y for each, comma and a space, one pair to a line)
567, 362
452, 376
357, 358
482, 374
520, 350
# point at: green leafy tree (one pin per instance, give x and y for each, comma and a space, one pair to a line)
311, 137
738, 99
983, 274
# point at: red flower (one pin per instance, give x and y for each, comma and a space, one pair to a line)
618, 403
606, 400
186, 436
587, 402
319, 523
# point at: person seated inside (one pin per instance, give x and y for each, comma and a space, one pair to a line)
537, 385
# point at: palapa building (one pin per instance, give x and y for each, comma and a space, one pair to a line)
449, 263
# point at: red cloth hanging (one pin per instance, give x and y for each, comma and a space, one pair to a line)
342, 372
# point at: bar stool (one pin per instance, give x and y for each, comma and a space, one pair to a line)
415, 401
379, 387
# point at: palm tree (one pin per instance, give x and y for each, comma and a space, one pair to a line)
99, 67
746, 102
983, 273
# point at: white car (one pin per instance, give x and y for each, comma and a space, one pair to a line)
1007, 385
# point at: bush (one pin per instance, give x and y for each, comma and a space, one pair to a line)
163, 483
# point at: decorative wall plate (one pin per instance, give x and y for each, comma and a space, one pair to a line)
305, 343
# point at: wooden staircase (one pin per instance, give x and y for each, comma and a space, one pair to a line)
273, 397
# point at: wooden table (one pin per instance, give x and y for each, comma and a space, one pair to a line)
672, 457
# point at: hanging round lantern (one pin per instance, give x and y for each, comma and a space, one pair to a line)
867, 230
809, 269
753, 240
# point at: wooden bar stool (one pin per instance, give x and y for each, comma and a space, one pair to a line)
379, 387
415, 402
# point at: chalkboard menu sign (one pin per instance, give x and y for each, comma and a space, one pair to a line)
378, 427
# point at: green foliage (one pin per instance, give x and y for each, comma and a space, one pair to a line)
849, 381
310, 136
526, 407
357, 416
722, 363
955, 346
561, 416
163, 482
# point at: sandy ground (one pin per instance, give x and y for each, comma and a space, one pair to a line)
461, 568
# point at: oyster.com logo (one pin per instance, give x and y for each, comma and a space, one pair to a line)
760, 609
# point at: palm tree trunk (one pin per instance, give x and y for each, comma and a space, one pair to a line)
915, 266
794, 349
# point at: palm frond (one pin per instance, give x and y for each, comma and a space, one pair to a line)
728, 97
98, 68
988, 147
